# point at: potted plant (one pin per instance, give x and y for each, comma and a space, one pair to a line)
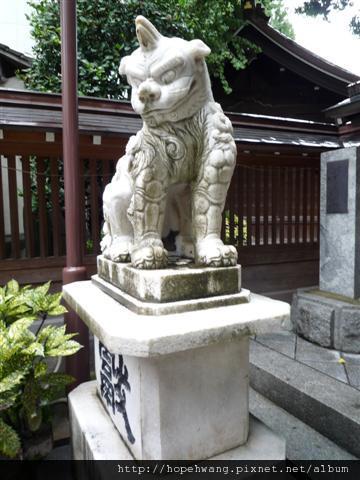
27, 388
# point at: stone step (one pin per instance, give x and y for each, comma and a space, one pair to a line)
302, 441
325, 404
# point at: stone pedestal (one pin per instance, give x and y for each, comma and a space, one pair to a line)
174, 385
94, 436
330, 314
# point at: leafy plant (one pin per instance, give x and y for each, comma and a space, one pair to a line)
107, 32
27, 388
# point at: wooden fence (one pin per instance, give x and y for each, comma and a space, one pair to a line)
271, 213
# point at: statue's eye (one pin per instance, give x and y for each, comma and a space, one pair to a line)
168, 77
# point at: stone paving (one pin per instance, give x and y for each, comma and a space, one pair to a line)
344, 367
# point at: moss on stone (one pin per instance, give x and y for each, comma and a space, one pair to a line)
335, 296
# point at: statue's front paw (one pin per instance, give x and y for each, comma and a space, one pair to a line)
118, 251
149, 257
213, 253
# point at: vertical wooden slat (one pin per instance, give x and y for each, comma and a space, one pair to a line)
231, 207
297, 203
257, 191
266, 205
317, 196
312, 204
55, 205
14, 211
282, 196
247, 175
274, 194
28, 217
43, 224
291, 179
241, 201
305, 205
94, 206
82, 204
2, 227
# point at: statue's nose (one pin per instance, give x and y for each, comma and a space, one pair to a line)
149, 91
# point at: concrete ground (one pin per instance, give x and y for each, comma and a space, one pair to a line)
344, 367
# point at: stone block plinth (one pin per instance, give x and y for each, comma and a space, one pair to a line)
175, 386
182, 280
327, 319
94, 436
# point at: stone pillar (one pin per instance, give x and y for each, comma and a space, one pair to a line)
340, 222
330, 315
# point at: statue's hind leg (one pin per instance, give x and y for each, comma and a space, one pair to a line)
118, 240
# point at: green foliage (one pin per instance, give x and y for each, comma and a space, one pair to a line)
325, 7
26, 386
106, 32
278, 17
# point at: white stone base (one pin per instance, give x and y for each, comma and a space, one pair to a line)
94, 436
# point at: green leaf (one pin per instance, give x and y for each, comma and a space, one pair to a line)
59, 310
67, 348
9, 440
36, 349
11, 380
18, 330
12, 287
40, 369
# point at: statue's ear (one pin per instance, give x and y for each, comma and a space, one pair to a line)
198, 49
146, 33
122, 66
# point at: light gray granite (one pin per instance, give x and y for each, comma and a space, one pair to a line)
302, 441
339, 232
307, 351
283, 342
353, 373
95, 437
127, 333
146, 308
180, 281
322, 402
331, 322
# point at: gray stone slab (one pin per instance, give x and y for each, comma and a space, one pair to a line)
339, 232
302, 441
281, 342
347, 330
334, 370
327, 405
94, 436
181, 281
313, 318
351, 358
180, 306
307, 351
353, 372
127, 333
327, 319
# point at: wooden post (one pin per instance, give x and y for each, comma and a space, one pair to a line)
76, 365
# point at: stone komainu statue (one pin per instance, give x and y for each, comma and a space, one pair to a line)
177, 169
